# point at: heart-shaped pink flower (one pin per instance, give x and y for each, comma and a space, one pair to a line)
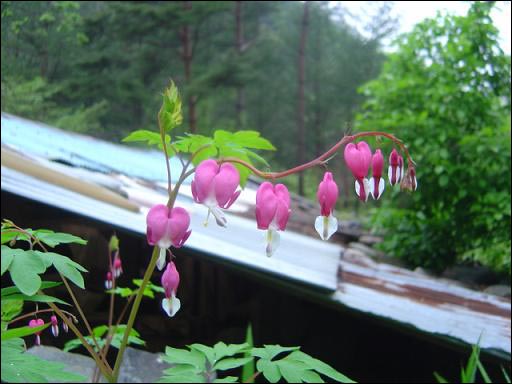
166, 227
377, 182
358, 158
215, 186
272, 212
36, 323
327, 194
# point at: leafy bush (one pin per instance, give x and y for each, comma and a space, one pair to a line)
446, 91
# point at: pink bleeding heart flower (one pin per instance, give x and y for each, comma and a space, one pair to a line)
327, 195
166, 227
118, 266
272, 212
215, 186
55, 325
377, 182
36, 323
65, 326
395, 167
108, 281
170, 281
358, 158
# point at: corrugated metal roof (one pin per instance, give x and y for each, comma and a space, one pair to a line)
39, 139
412, 300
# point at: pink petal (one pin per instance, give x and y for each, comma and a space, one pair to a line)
203, 179
266, 205
377, 164
170, 280
156, 223
358, 158
282, 194
225, 183
177, 225
282, 214
327, 194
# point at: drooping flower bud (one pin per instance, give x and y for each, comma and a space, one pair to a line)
108, 281
409, 182
167, 227
327, 194
358, 158
216, 187
272, 212
36, 323
118, 266
170, 282
395, 167
55, 325
377, 182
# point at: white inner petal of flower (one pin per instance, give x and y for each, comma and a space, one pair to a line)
171, 305
216, 211
160, 263
272, 241
326, 226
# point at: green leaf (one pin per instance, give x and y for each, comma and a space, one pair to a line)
20, 367
252, 139
271, 351
151, 139
483, 372
7, 257
505, 375
67, 267
170, 115
319, 366
123, 292
223, 350
231, 363
22, 331
35, 298
439, 378
52, 239
182, 356
25, 268
205, 350
249, 368
227, 379
269, 370
100, 330
11, 309
44, 285
291, 370
311, 377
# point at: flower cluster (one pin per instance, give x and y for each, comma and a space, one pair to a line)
37, 322
116, 266
216, 186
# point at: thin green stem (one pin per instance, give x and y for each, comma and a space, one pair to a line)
133, 313
166, 154
105, 370
81, 312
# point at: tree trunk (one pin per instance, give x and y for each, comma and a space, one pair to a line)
300, 104
239, 41
186, 54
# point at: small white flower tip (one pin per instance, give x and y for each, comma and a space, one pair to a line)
272, 241
160, 264
326, 226
171, 306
